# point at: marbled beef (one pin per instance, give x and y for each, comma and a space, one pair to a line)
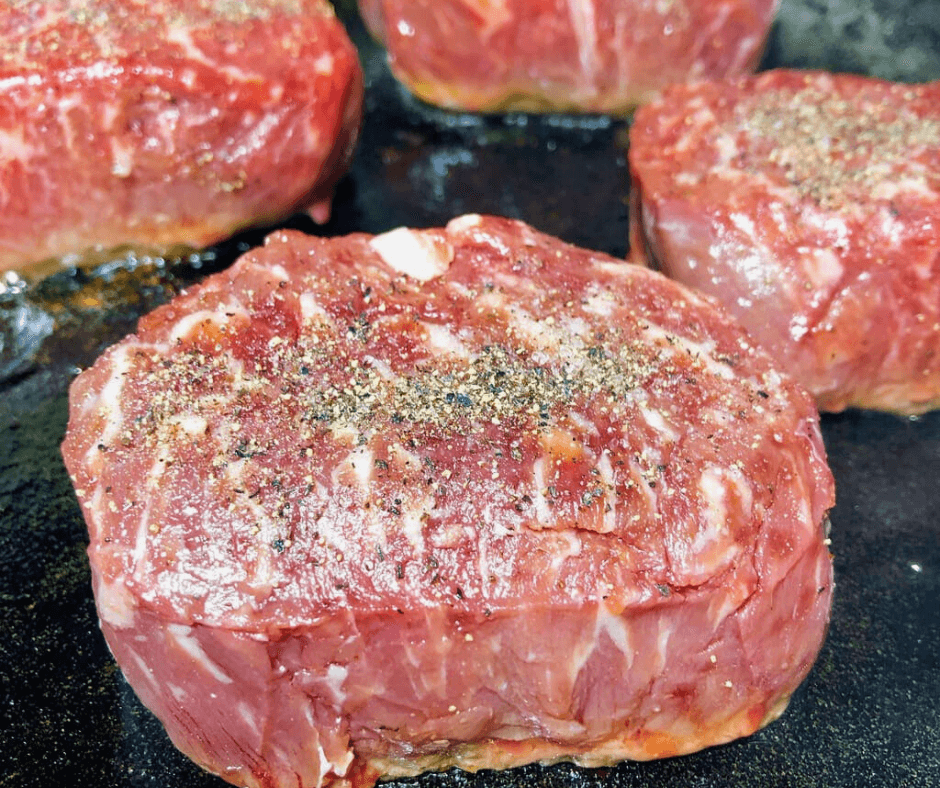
163, 123
809, 205
369, 506
573, 55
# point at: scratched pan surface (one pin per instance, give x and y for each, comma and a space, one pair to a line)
869, 714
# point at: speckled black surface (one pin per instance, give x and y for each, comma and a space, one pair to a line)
869, 714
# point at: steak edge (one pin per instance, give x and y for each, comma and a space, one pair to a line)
167, 124
807, 204
368, 506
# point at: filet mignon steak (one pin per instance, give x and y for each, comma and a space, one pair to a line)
808, 204
167, 123
367, 506
574, 55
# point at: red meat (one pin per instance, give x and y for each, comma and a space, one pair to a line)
163, 123
364, 507
808, 205
573, 55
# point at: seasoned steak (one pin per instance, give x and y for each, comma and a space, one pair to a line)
367, 506
808, 205
167, 123
573, 55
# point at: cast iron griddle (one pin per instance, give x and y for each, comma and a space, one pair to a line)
868, 715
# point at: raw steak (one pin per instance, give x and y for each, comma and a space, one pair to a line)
808, 204
370, 506
163, 123
573, 55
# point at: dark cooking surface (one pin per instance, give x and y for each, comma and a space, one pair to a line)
869, 715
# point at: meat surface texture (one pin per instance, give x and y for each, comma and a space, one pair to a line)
167, 123
369, 506
572, 55
808, 205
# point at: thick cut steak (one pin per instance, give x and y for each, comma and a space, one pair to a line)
808, 204
574, 55
167, 123
369, 506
